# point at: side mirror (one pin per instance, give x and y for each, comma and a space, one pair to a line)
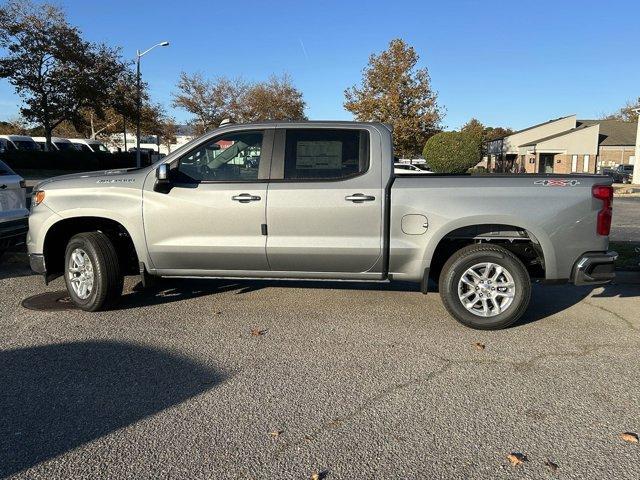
163, 185
162, 173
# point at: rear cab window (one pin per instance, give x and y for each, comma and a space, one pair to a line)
325, 154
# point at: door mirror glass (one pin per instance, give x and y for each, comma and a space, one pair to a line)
162, 173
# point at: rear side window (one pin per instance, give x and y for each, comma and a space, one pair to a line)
319, 154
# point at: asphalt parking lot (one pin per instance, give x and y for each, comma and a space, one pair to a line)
214, 379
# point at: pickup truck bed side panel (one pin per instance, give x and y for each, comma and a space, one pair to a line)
562, 218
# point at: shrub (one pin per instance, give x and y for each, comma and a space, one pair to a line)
452, 152
70, 160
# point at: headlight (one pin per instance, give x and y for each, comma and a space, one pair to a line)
38, 198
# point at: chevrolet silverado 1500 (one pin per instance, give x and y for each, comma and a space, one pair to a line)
320, 200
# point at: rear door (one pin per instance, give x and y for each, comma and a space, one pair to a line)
325, 208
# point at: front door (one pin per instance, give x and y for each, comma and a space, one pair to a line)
325, 209
546, 163
211, 216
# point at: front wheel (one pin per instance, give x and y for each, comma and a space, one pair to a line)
92, 271
485, 287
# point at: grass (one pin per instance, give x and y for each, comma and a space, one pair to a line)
628, 255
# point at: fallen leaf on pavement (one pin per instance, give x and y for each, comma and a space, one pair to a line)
517, 458
320, 475
479, 346
276, 433
629, 437
552, 465
256, 332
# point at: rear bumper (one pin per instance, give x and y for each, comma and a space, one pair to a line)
13, 232
594, 268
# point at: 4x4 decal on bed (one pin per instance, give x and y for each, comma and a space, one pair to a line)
557, 183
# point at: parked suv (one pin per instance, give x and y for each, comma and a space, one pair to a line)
13, 209
623, 174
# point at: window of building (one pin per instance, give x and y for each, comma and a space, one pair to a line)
585, 163
234, 157
325, 154
574, 163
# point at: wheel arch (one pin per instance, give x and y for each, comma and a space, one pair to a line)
515, 236
60, 232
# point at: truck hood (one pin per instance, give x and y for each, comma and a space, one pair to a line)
96, 178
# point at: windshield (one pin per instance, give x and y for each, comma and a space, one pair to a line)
64, 146
25, 145
4, 169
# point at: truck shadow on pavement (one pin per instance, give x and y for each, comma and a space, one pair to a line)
55, 398
546, 300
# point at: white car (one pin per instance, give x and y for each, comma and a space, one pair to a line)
58, 144
88, 145
404, 168
13, 208
17, 142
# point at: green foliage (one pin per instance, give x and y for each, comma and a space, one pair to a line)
452, 152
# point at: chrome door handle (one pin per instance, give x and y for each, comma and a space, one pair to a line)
359, 198
246, 198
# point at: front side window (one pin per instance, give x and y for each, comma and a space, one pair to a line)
312, 154
234, 157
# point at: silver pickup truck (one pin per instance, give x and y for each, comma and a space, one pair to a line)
320, 200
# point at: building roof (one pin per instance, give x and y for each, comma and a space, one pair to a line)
556, 135
614, 132
532, 127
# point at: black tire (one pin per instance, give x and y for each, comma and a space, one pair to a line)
107, 275
466, 258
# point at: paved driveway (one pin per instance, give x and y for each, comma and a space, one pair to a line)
359, 383
626, 219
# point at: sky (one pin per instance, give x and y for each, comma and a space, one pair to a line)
507, 63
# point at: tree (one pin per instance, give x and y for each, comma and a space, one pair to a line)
168, 132
452, 152
276, 99
208, 101
626, 113
211, 101
55, 72
394, 91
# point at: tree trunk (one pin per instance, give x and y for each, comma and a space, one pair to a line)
48, 133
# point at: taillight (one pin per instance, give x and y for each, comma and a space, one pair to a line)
604, 193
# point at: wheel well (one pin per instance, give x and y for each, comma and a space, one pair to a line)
517, 240
60, 233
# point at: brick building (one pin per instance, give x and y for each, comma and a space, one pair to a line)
565, 145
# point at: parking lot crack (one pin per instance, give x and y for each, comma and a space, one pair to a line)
368, 403
626, 321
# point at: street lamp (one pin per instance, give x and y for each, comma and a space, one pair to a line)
139, 55
635, 178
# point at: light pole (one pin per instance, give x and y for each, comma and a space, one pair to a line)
636, 163
139, 55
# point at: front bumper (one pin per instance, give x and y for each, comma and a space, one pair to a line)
13, 232
594, 268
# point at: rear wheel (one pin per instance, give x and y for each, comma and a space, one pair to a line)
485, 287
92, 271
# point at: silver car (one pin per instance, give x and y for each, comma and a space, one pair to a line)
13, 209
